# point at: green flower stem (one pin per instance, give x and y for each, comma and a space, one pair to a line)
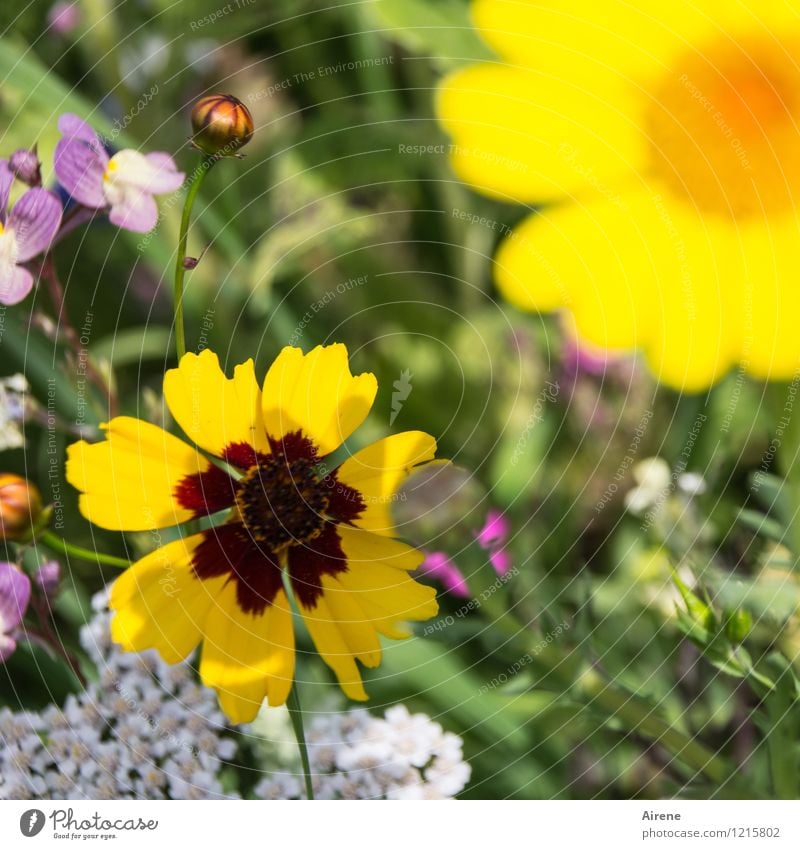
62, 546
296, 715
180, 271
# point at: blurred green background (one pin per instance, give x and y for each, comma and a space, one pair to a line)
343, 222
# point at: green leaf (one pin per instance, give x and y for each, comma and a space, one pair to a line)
442, 29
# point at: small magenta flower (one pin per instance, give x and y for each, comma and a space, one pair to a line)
125, 183
492, 537
15, 593
494, 532
25, 231
441, 568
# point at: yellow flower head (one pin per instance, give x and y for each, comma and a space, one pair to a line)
288, 520
663, 140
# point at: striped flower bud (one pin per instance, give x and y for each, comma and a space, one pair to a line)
221, 124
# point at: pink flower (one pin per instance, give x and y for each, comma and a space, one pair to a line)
440, 567
501, 560
495, 530
125, 183
26, 231
492, 537
64, 17
15, 593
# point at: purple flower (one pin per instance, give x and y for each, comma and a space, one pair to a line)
440, 567
15, 593
125, 182
25, 231
26, 167
48, 576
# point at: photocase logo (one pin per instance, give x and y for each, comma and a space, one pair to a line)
31, 822
402, 389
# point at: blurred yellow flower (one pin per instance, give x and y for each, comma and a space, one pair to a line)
287, 524
663, 142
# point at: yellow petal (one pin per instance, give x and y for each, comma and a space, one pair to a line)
388, 593
520, 135
378, 470
248, 657
127, 481
770, 300
213, 410
160, 604
356, 627
325, 631
583, 38
648, 272
361, 546
317, 394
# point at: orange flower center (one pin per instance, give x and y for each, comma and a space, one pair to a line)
724, 129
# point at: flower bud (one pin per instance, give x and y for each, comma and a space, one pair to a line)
20, 507
221, 124
738, 624
26, 167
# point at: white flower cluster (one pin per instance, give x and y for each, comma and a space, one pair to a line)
355, 755
13, 394
143, 730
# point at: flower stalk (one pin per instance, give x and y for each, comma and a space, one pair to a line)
180, 268
296, 717
63, 547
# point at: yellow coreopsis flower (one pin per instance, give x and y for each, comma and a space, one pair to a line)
663, 141
287, 521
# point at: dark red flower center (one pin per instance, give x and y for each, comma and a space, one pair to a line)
285, 509
282, 501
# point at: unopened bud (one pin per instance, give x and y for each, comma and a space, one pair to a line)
25, 166
20, 507
738, 625
221, 124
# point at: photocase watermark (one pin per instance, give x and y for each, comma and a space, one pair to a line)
573, 156
548, 395
53, 456
680, 252
402, 389
65, 825
627, 461
505, 677
302, 77
320, 304
678, 469
524, 242
488, 156
471, 605
719, 119
212, 17
775, 443
206, 326
121, 125
131, 703
81, 383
